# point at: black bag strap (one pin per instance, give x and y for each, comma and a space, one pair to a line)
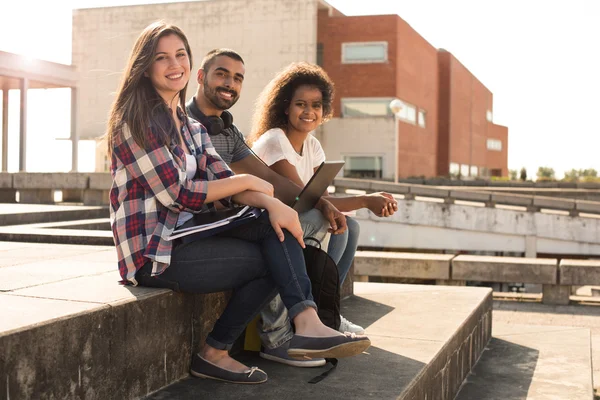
317, 241
333, 362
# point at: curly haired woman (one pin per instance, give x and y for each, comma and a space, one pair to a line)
289, 109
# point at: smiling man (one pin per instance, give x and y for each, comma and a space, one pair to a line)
220, 79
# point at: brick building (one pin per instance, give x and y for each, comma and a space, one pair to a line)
444, 125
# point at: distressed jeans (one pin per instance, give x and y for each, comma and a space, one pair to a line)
249, 259
274, 327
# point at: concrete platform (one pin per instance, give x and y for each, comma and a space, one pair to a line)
69, 330
424, 340
530, 362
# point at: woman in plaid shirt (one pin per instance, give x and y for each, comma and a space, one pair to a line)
165, 170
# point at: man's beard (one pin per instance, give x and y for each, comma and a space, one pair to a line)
213, 96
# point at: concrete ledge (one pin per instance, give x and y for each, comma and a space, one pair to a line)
579, 272
504, 269
402, 265
6, 180
470, 196
69, 330
425, 340
554, 203
428, 191
56, 181
592, 207
16, 214
512, 199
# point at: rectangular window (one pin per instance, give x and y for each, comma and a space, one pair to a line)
363, 167
421, 118
464, 170
366, 107
474, 171
494, 145
489, 116
320, 54
408, 113
454, 169
364, 52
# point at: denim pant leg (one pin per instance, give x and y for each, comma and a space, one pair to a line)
343, 247
285, 261
314, 224
216, 264
274, 327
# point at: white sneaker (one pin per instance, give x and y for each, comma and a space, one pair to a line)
347, 326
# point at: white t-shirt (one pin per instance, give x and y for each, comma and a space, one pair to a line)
274, 146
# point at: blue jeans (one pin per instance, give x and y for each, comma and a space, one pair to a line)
249, 259
274, 327
342, 247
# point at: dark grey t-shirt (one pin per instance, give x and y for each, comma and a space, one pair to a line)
229, 143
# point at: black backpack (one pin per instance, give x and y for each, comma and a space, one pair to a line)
325, 280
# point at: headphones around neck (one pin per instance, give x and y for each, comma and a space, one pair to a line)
215, 124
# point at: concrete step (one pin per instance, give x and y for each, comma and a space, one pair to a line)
530, 362
425, 339
16, 214
69, 330
93, 232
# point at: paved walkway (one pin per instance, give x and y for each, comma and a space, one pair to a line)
508, 313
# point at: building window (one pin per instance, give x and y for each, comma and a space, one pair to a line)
408, 113
464, 170
474, 170
494, 145
489, 116
421, 118
366, 107
454, 170
363, 167
320, 54
364, 52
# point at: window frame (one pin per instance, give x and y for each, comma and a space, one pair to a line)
347, 45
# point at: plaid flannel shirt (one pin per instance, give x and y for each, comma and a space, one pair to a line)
150, 189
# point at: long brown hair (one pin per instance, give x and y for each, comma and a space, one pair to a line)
138, 104
275, 98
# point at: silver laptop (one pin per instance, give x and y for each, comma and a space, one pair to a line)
317, 185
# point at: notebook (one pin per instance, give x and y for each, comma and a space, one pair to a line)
317, 185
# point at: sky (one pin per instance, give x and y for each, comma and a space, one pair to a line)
539, 58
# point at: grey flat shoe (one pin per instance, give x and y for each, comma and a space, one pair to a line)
202, 368
347, 345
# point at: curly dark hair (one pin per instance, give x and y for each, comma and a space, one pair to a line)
275, 98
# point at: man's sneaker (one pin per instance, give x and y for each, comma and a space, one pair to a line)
280, 355
347, 326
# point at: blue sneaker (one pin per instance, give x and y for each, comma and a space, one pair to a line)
280, 355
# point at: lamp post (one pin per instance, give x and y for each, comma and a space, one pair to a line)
396, 106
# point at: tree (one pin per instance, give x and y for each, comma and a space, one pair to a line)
523, 174
512, 173
571, 176
588, 173
545, 173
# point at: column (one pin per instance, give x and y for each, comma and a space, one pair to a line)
23, 126
74, 133
5, 129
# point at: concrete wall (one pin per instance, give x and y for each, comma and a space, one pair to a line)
360, 137
431, 225
269, 34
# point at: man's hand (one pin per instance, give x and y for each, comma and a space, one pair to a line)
381, 204
337, 220
284, 217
